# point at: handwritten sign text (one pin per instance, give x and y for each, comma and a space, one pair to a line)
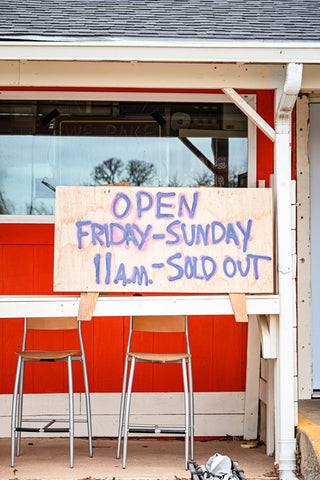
199, 240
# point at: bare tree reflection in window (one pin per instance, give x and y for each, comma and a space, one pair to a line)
113, 170
6, 208
174, 182
139, 172
205, 179
109, 171
39, 209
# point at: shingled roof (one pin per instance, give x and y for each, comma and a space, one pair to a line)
297, 20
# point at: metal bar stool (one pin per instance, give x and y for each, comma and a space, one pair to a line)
17, 420
164, 323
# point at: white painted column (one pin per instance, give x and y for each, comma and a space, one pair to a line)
303, 250
286, 443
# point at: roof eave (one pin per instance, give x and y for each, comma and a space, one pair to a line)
163, 50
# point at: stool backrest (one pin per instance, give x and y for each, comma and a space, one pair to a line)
52, 323
159, 323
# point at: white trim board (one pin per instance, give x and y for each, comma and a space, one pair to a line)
304, 248
19, 306
57, 75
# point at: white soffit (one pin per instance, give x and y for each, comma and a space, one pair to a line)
163, 51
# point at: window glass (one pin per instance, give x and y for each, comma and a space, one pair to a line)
45, 144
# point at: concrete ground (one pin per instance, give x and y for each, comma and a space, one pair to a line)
48, 459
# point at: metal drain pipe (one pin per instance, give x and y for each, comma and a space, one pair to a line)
285, 386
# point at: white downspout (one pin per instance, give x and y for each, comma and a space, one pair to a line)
285, 418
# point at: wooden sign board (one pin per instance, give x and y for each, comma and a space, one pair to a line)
174, 240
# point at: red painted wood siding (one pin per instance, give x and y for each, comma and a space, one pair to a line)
218, 343
265, 147
26, 265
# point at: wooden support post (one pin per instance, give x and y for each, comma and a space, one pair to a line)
250, 113
251, 406
239, 307
87, 305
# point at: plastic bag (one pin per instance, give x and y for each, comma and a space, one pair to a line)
218, 467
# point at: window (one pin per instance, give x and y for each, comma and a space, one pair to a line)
44, 144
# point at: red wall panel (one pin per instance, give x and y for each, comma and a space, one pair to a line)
265, 147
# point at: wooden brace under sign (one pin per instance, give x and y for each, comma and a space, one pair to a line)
87, 305
239, 306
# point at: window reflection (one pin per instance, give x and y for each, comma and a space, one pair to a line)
90, 143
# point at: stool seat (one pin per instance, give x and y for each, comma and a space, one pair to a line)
46, 355
159, 357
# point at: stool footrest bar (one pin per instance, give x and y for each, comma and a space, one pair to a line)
30, 429
61, 420
156, 430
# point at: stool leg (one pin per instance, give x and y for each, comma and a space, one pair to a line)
127, 412
20, 405
71, 413
123, 398
191, 409
88, 404
187, 414
14, 410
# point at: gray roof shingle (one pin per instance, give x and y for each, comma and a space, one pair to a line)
172, 19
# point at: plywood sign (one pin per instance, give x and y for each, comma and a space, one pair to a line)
132, 239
